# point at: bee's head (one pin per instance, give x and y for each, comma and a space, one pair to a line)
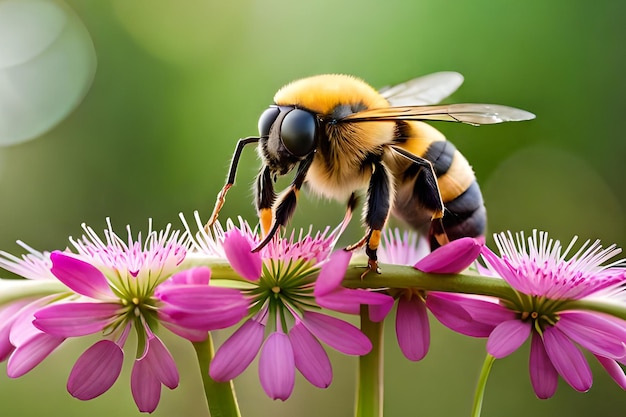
288, 135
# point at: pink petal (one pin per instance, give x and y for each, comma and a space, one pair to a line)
96, 370
332, 273
615, 371
453, 315
81, 277
75, 319
237, 352
412, 327
22, 329
337, 333
200, 275
350, 300
203, 307
189, 334
507, 337
567, 359
543, 376
451, 258
277, 369
145, 386
31, 353
504, 271
238, 251
161, 362
601, 335
483, 310
310, 357
8, 315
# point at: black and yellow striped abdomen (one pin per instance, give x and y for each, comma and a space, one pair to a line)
464, 210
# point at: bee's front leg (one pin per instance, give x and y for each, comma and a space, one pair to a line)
376, 212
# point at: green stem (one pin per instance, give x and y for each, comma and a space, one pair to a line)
220, 396
369, 401
398, 276
482, 384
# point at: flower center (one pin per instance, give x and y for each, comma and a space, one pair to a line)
284, 289
542, 312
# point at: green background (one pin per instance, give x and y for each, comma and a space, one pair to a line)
178, 82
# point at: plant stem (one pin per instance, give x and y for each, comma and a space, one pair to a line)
220, 396
482, 384
369, 401
398, 276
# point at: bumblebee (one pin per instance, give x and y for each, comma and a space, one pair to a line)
341, 137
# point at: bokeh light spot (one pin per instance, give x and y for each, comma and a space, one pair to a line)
47, 64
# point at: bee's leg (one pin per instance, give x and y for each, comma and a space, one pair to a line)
377, 209
265, 197
427, 190
286, 204
437, 234
221, 197
352, 202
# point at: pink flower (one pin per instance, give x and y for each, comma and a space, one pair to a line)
118, 285
285, 323
545, 281
21, 343
412, 326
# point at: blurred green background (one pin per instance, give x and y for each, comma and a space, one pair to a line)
178, 82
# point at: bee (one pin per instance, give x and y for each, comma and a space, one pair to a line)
341, 136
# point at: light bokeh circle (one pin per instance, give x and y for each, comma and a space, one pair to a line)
47, 64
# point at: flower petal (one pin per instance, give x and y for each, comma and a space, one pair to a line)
336, 333
567, 359
189, 334
161, 362
79, 276
601, 335
239, 253
452, 257
332, 272
22, 329
200, 275
482, 309
145, 386
277, 369
412, 328
453, 315
503, 270
75, 319
350, 300
615, 371
237, 352
8, 316
203, 307
543, 376
310, 357
31, 353
96, 370
507, 337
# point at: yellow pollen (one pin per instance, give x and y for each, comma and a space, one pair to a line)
135, 301
275, 290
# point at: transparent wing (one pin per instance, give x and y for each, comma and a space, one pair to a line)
429, 89
470, 113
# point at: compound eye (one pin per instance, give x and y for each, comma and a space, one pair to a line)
298, 132
267, 119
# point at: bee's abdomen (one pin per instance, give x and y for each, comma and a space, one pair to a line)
465, 216
464, 209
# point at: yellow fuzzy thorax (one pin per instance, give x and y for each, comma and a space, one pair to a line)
323, 93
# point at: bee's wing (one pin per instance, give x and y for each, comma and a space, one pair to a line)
429, 89
470, 113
